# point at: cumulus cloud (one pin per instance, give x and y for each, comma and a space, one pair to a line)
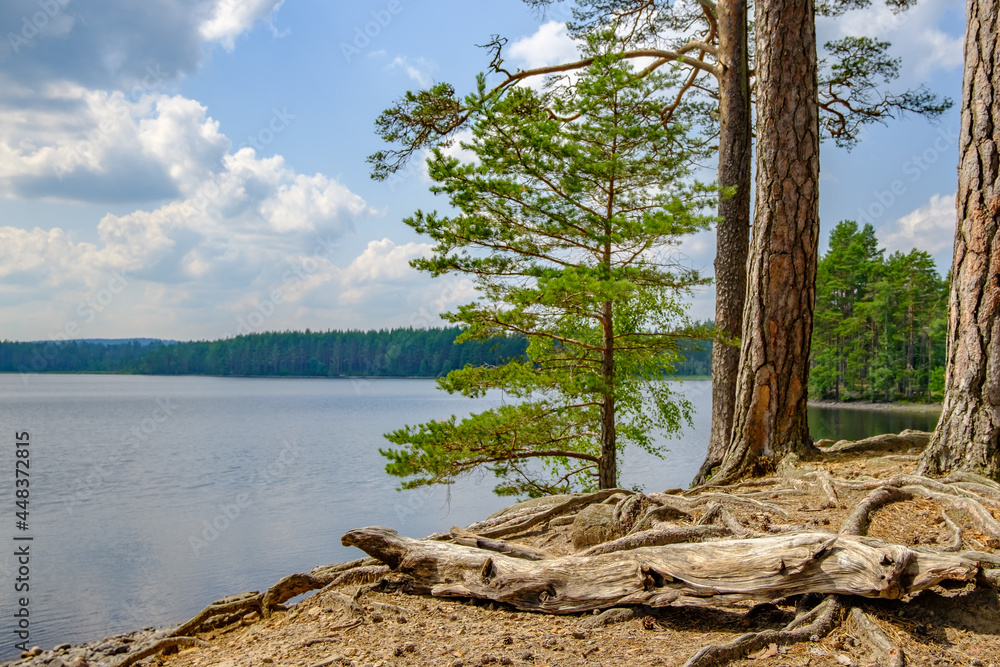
231, 18
114, 43
916, 34
549, 45
90, 145
930, 227
227, 241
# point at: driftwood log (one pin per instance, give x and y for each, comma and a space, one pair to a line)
763, 569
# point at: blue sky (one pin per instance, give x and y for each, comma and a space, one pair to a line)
194, 169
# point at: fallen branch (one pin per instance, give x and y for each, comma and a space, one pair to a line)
765, 569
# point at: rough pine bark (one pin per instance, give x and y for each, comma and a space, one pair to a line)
968, 435
733, 230
770, 419
607, 471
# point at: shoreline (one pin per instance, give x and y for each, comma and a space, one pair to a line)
878, 407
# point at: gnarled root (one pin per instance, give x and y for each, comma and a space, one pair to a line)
817, 622
873, 634
225, 608
572, 505
159, 647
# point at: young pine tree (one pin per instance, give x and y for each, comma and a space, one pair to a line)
567, 220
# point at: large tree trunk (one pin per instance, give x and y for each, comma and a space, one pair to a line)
770, 419
968, 435
733, 230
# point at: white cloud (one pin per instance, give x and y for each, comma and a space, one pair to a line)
418, 69
89, 145
384, 261
930, 228
231, 241
916, 35
550, 45
231, 18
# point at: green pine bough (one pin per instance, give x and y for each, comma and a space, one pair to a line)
568, 218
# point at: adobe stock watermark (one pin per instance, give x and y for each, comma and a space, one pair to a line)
413, 168
429, 316
102, 472
363, 35
35, 23
120, 107
88, 309
229, 512
296, 273
913, 169
278, 123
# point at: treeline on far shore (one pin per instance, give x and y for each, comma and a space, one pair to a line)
376, 353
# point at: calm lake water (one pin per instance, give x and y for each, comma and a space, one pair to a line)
154, 496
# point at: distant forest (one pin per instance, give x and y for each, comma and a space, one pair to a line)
381, 353
880, 324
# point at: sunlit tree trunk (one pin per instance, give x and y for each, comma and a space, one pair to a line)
733, 230
770, 419
967, 435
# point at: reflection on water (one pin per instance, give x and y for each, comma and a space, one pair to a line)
154, 496
854, 424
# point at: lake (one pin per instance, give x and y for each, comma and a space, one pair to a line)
154, 496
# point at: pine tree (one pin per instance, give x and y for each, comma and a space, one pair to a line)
566, 221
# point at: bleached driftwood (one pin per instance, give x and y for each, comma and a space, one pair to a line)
766, 568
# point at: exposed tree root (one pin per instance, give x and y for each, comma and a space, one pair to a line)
674, 552
760, 481
632, 513
823, 478
243, 603
509, 516
460, 536
973, 508
717, 510
658, 537
876, 637
904, 440
955, 543
574, 504
857, 523
610, 617
822, 620
159, 647
656, 515
359, 575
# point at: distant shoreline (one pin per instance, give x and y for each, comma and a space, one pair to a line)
878, 407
